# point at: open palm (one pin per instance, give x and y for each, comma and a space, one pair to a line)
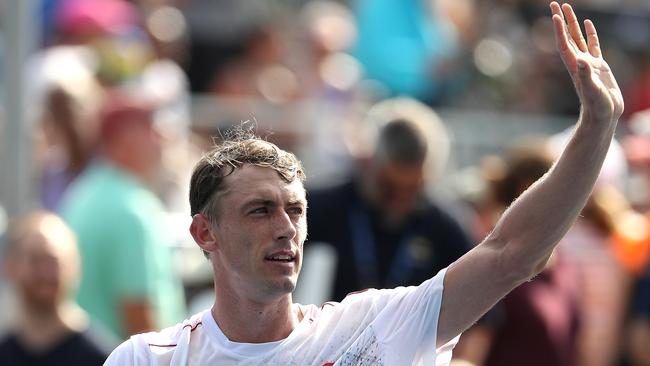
596, 86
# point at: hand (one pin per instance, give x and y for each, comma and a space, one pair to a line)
599, 93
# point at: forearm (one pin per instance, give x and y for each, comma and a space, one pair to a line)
529, 230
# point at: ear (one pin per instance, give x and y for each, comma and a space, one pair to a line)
200, 228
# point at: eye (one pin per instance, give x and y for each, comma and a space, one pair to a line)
259, 211
296, 211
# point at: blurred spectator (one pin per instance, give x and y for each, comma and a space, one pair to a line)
632, 245
220, 31
127, 284
259, 70
77, 22
328, 71
639, 327
588, 245
69, 137
636, 249
41, 262
537, 323
594, 282
66, 98
385, 229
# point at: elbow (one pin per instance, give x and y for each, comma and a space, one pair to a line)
516, 264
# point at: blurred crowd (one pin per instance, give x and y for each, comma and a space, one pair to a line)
126, 95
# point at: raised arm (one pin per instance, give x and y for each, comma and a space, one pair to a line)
526, 234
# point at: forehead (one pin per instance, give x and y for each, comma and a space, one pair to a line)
252, 181
37, 244
45, 236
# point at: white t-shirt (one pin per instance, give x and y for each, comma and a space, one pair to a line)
374, 327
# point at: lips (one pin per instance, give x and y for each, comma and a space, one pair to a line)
285, 256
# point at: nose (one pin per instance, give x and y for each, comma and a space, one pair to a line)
285, 228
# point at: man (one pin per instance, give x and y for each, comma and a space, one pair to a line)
42, 265
386, 231
249, 207
128, 283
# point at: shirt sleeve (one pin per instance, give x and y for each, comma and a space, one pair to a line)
123, 355
407, 319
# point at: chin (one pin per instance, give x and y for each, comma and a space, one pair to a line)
282, 288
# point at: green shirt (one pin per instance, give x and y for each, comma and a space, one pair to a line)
124, 249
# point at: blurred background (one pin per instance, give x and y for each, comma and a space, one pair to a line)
306, 74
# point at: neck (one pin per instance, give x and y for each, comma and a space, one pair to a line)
249, 321
39, 328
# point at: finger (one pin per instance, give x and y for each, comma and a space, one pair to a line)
555, 9
592, 39
562, 40
574, 27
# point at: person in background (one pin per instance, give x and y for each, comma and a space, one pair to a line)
68, 141
41, 262
128, 283
538, 322
639, 324
386, 231
590, 247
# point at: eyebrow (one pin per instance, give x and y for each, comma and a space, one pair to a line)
269, 202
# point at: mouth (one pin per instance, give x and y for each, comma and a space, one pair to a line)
281, 258
284, 256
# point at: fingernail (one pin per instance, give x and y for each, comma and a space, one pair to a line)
582, 65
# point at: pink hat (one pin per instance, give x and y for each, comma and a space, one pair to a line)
104, 16
120, 112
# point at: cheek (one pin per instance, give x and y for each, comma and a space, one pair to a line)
238, 244
301, 229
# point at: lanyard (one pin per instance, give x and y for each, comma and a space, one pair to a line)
365, 253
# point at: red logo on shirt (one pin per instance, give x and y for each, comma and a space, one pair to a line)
328, 364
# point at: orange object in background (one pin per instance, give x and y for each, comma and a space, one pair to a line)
631, 241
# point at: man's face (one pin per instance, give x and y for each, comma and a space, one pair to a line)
260, 230
397, 187
144, 142
41, 271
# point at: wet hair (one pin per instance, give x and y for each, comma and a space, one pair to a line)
240, 147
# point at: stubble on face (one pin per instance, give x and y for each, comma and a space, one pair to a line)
260, 229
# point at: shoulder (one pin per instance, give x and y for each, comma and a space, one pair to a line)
10, 350
7, 342
170, 337
431, 287
141, 349
124, 354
